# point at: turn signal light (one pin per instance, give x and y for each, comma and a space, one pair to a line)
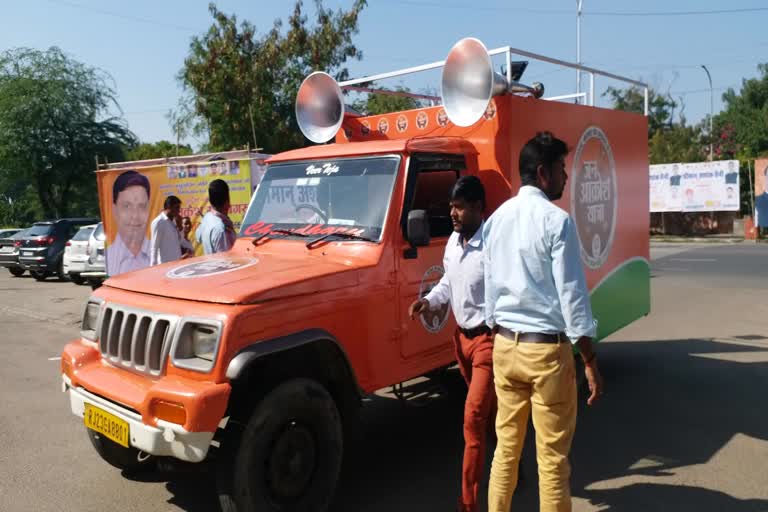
66, 367
169, 411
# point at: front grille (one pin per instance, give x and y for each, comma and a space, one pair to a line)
135, 339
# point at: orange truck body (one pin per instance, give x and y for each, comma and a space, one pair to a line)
348, 299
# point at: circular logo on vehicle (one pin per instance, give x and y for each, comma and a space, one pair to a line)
211, 267
383, 125
365, 128
402, 123
594, 196
490, 111
433, 320
442, 118
422, 120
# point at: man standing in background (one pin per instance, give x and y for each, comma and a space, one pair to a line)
216, 231
165, 244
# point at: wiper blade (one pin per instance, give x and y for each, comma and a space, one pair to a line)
259, 238
346, 236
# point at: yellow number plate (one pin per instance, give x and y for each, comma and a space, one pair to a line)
106, 424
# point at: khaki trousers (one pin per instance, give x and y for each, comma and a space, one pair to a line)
537, 379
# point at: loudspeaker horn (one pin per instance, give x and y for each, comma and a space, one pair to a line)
319, 107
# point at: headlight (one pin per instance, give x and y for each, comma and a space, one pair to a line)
90, 323
196, 344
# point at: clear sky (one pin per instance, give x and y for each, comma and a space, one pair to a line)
142, 43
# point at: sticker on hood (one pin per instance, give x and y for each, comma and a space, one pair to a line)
210, 267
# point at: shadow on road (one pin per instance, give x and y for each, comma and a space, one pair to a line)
668, 405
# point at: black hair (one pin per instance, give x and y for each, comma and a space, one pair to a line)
218, 193
544, 149
470, 189
170, 202
186, 218
129, 179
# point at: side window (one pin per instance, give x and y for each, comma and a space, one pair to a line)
431, 178
433, 194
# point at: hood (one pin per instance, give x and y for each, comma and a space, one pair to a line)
238, 278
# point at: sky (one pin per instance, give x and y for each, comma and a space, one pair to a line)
142, 44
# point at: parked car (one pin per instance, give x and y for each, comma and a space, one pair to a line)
76, 254
96, 268
9, 252
8, 232
42, 249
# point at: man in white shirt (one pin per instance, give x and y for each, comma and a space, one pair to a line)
165, 241
462, 286
130, 209
536, 298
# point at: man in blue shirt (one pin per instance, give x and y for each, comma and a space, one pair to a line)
216, 231
536, 299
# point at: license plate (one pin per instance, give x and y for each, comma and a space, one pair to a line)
26, 253
109, 425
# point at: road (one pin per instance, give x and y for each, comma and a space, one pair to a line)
683, 425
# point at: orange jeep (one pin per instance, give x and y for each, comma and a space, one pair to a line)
261, 355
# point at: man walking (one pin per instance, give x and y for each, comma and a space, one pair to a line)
216, 231
164, 241
536, 298
462, 286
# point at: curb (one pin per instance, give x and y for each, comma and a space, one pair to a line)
700, 240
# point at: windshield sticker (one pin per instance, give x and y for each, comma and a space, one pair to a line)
328, 169
210, 267
262, 228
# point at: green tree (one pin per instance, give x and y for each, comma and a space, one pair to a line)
375, 104
660, 108
678, 143
160, 149
741, 129
243, 86
54, 121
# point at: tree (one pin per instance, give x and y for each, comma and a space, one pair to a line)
741, 129
160, 149
243, 86
679, 143
384, 103
660, 108
53, 123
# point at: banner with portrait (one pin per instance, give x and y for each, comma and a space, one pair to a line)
694, 187
761, 193
130, 198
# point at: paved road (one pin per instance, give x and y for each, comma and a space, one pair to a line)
683, 425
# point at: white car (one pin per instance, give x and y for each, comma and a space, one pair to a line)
76, 254
96, 268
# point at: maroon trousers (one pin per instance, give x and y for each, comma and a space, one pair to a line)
475, 358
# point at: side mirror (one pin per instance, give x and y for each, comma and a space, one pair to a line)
418, 228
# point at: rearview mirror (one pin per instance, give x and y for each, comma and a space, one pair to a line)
418, 228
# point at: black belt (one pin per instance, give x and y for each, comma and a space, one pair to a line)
475, 331
533, 337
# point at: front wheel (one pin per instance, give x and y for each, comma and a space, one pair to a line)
288, 457
39, 275
16, 271
127, 459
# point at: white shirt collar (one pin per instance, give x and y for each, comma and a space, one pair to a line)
530, 190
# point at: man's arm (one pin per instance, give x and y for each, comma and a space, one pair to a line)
437, 296
490, 291
572, 290
219, 239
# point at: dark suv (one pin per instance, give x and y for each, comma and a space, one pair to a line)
42, 249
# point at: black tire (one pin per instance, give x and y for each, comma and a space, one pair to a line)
60, 271
288, 456
126, 459
77, 279
39, 275
94, 283
16, 272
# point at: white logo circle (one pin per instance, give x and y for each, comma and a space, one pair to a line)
210, 267
433, 320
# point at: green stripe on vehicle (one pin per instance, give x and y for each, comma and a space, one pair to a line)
622, 296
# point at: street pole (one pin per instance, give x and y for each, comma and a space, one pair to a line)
711, 110
578, 48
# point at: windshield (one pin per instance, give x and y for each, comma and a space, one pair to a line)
40, 230
322, 197
82, 235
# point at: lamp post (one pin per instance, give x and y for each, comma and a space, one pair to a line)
578, 48
711, 110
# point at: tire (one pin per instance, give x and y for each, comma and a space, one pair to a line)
60, 271
287, 457
94, 283
16, 272
126, 459
77, 279
39, 275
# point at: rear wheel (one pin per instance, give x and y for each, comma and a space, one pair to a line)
94, 283
16, 271
76, 278
39, 275
127, 459
60, 271
288, 456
